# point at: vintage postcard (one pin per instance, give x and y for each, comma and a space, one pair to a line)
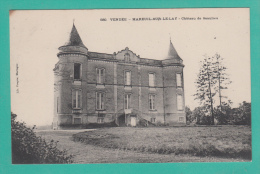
130, 85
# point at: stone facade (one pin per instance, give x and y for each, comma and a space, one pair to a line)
122, 87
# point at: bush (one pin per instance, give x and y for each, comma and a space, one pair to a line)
222, 114
242, 114
27, 148
201, 116
189, 116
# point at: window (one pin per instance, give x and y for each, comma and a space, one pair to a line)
127, 77
127, 101
181, 119
178, 79
127, 57
179, 102
100, 101
100, 120
151, 79
76, 99
77, 71
100, 76
153, 120
77, 120
151, 101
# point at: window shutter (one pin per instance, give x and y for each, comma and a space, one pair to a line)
73, 99
125, 101
150, 102
129, 101
79, 98
102, 101
97, 100
125, 77
102, 76
130, 77
97, 76
153, 97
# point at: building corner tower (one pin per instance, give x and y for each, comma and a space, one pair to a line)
68, 81
174, 103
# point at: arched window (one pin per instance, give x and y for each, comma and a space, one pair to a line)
127, 57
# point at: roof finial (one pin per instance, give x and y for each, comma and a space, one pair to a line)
73, 20
170, 37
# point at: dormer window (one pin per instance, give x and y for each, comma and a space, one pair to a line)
127, 57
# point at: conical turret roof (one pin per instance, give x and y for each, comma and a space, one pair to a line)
172, 53
74, 39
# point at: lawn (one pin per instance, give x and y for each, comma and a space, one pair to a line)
221, 141
155, 144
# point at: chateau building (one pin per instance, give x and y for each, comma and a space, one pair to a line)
122, 87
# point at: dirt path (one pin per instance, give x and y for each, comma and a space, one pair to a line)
84, 153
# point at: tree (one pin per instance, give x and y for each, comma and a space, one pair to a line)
212, 79
205, 84
220, 75
188, 112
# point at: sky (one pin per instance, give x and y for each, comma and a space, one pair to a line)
35, 36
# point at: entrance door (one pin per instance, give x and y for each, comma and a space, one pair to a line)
133, 121
121, 120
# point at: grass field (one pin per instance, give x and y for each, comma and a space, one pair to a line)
156, 144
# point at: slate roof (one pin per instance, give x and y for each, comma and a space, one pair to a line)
172, 53
74, 39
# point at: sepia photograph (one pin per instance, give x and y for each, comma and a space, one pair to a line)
130, 86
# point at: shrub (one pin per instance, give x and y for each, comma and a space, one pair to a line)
27, 148
201, 116
189, 116
222, 114
242, 114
